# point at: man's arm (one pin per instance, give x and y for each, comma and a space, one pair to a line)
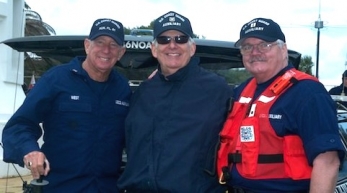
325, 171
23, 129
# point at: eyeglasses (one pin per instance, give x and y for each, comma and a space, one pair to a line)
262, 47
177, 39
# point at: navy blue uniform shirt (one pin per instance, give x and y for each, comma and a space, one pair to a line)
83, 124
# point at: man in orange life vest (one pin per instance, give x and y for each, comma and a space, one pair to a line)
282, 133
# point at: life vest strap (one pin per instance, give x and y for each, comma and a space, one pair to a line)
262, 158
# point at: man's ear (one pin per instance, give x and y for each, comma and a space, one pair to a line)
154, 50
192, 49
121, 53
87, 43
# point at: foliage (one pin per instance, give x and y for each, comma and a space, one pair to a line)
234, 76
306, 64
151, 26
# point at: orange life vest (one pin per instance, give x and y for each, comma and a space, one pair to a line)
249, 141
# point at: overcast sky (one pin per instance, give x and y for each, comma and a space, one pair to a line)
220, 20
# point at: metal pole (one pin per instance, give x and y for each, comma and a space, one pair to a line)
318, 24
317, 56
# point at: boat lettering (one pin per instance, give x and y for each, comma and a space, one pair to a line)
142, 45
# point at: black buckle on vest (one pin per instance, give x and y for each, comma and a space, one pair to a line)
234, 158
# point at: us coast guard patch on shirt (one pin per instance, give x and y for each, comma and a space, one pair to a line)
122, 103
247, 133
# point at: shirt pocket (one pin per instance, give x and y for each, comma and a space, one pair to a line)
75, 116
75, 107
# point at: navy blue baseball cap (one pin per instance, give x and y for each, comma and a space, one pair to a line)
108, 27
262, 28
172, 21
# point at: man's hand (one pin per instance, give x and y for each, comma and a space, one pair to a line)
37, 163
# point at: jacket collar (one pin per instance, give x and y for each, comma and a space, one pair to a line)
181, 73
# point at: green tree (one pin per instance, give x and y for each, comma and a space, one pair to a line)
151, 26
306, 64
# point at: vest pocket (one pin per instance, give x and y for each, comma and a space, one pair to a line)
295, 161
249, 138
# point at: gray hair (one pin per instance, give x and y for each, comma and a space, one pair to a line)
280, 43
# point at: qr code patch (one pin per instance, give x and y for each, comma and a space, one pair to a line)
247, 133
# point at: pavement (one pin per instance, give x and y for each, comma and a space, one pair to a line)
13, 184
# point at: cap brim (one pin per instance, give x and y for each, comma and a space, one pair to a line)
115, 38
172, 28
265, 38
